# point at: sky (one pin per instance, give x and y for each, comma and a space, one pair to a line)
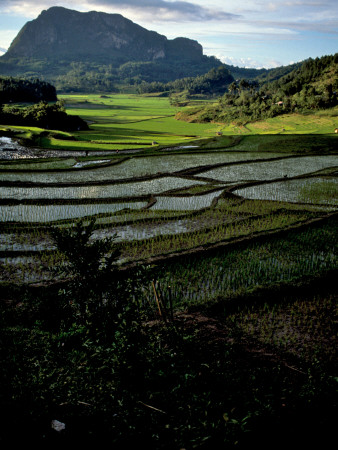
244, 33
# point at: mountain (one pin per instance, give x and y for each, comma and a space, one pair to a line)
60, 32
65, 43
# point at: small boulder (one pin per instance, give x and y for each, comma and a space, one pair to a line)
58, 426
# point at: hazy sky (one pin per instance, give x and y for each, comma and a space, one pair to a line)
247, 33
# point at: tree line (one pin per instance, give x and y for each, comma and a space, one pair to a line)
103, 75
14, 90
42, 115
215, 81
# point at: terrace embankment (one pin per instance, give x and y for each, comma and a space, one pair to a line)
208, 249
204, 251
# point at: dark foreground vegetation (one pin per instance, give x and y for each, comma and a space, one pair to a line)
256, 369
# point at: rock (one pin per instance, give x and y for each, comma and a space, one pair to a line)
58, 426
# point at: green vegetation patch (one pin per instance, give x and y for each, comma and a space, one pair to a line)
322, 192
55, 163
204, 238
123, 121
310, 190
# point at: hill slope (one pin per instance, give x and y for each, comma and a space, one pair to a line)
311, 86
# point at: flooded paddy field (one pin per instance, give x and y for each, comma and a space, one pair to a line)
50, 213
141, 188
180, 202
133, 167
289, 167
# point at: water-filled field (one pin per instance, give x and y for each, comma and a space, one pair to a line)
148, 187
289, 167
186, 203
134, 167
50, 213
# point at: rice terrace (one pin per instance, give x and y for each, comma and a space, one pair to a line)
164, 193
235, 226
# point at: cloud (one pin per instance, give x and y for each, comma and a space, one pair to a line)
169, 10
156, 9
313, 4
322, 26
249, 63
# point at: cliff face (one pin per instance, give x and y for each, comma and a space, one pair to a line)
63, 33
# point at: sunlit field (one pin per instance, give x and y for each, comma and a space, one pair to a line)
319, 123
127, 121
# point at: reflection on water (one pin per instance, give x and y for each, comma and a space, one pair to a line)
10, 149
269, 170
88, 163
49, 213
185, 203
134, 232
137, 167
103, 191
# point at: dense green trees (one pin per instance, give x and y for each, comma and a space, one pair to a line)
43, 115
215, 81
310, 86
105, 74
24, 90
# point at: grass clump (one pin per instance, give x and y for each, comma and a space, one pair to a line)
324, 191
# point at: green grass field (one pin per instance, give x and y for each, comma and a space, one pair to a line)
129, 121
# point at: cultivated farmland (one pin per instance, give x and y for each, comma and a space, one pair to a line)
188, 193
160, 201
232, 241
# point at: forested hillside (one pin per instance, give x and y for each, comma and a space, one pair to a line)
214, 81
311, 86
41, 113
